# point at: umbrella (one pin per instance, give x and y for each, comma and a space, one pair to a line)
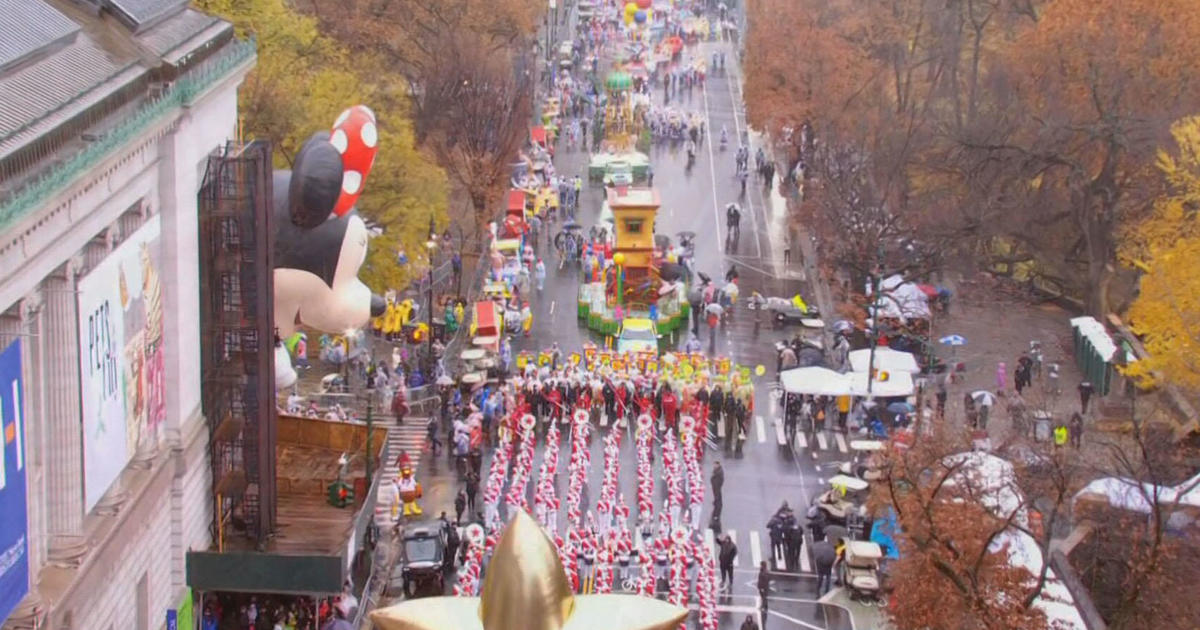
704, 279
671, 271
572, 225
834, 532
713, 309
810, 357
983, 397
953, 340
686, 234
445, 380
842, 325
900, 407
928, 289
662, 241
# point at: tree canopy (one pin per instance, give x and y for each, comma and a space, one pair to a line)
1166, 313
1015, 134
303, 80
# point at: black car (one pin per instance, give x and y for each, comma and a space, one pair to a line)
418, 570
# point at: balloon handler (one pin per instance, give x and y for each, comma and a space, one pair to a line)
408, 490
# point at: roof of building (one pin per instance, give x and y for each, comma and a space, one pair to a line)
60, 61
27, 27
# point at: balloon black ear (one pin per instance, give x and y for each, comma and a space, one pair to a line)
316, 182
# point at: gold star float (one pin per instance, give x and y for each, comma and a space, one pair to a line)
525, 589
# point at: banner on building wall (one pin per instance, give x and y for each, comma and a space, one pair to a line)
14, 544
120, 356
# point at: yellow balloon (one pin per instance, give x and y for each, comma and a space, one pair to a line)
619, 257
760, 369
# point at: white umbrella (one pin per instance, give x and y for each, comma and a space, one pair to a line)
983, 397
713, 309
445, 380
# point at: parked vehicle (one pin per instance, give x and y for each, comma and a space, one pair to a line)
859, 570
418, 570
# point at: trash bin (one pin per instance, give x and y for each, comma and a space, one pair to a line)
1042, 421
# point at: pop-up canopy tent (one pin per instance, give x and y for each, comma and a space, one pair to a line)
818, 381
900, 300
886, 360
897, 384
815, 381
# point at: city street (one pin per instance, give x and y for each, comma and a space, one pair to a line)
768, 470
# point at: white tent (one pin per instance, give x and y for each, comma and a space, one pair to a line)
897, 384
886, 359
1132, 495
901, 300
817, 381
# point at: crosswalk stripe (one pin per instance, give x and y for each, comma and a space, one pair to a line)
822, 442
710, 542
603, 420
805, 562
841, 441
780, 435
801, 440
760, 429
755, 548
780, 559
733, 537
721, 430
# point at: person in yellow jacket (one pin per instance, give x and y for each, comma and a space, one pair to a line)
1060, 436
843, 407
526, 319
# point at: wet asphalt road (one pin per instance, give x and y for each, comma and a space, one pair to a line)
767, 471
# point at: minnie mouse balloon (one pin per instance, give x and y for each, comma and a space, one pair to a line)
356, 138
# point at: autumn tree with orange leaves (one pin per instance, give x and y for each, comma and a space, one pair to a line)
1022, 132
954, 523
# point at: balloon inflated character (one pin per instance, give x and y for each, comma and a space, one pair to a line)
320, 241
409, 490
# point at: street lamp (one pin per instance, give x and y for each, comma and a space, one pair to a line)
431, 244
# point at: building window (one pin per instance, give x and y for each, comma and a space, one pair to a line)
231, 292
634, 226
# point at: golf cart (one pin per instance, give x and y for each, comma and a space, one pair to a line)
638, 334
618, 173
784, 311
842, 500
418, 570
859, 570
864, 464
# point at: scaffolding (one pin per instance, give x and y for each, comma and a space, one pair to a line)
237, 340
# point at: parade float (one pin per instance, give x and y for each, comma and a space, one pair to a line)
637, 282
624, 111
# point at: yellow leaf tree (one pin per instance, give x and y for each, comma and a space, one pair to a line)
303, 80
1167, 245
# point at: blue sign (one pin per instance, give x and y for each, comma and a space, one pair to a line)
14, 545
172, 619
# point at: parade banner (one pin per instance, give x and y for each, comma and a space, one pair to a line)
14, 542
121, 361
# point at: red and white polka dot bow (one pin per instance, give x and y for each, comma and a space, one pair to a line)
355, 136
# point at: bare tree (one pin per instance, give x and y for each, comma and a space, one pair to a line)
1141, 560
473, 111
